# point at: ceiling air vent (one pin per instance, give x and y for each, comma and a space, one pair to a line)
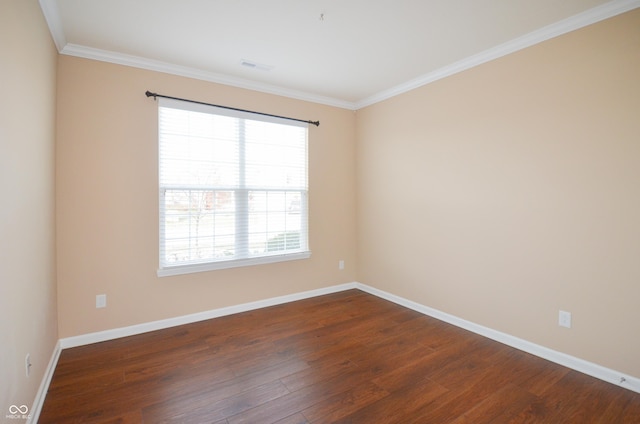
255, 65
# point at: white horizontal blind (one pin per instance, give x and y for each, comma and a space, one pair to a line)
233, 185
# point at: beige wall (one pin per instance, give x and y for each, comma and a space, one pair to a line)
27, 236
107, 201
512, 190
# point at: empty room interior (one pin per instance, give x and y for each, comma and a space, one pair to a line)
467, 175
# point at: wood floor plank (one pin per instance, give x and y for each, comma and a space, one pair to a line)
528, 371
631, 411
205, 394
344, 404
304, 398
347, 357
293, 419
199, 408
500, 407
399, 406
588, 401
331, 368
461, 397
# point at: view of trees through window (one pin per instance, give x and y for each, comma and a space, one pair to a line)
201, 224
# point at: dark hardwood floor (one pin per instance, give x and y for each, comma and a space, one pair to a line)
348, 357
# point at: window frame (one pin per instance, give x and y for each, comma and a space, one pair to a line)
165, 269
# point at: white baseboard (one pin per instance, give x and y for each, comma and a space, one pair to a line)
585, 367
38, 402
132, 330
589, 368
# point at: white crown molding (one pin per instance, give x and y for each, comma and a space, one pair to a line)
185, 71
591, 16
52, 16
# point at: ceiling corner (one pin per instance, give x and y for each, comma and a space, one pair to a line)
52, 16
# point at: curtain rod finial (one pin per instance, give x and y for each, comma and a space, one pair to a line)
150, 94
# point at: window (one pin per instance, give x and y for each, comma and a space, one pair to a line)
233, 188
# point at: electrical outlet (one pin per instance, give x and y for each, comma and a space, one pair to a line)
27, 364
564, 319
340, 264
101, 301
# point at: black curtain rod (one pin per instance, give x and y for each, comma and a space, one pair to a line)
156, 95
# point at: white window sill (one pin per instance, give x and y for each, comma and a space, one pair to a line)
236, 263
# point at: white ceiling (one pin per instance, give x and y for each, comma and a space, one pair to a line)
346, 53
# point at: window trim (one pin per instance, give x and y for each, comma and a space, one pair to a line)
233, 263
